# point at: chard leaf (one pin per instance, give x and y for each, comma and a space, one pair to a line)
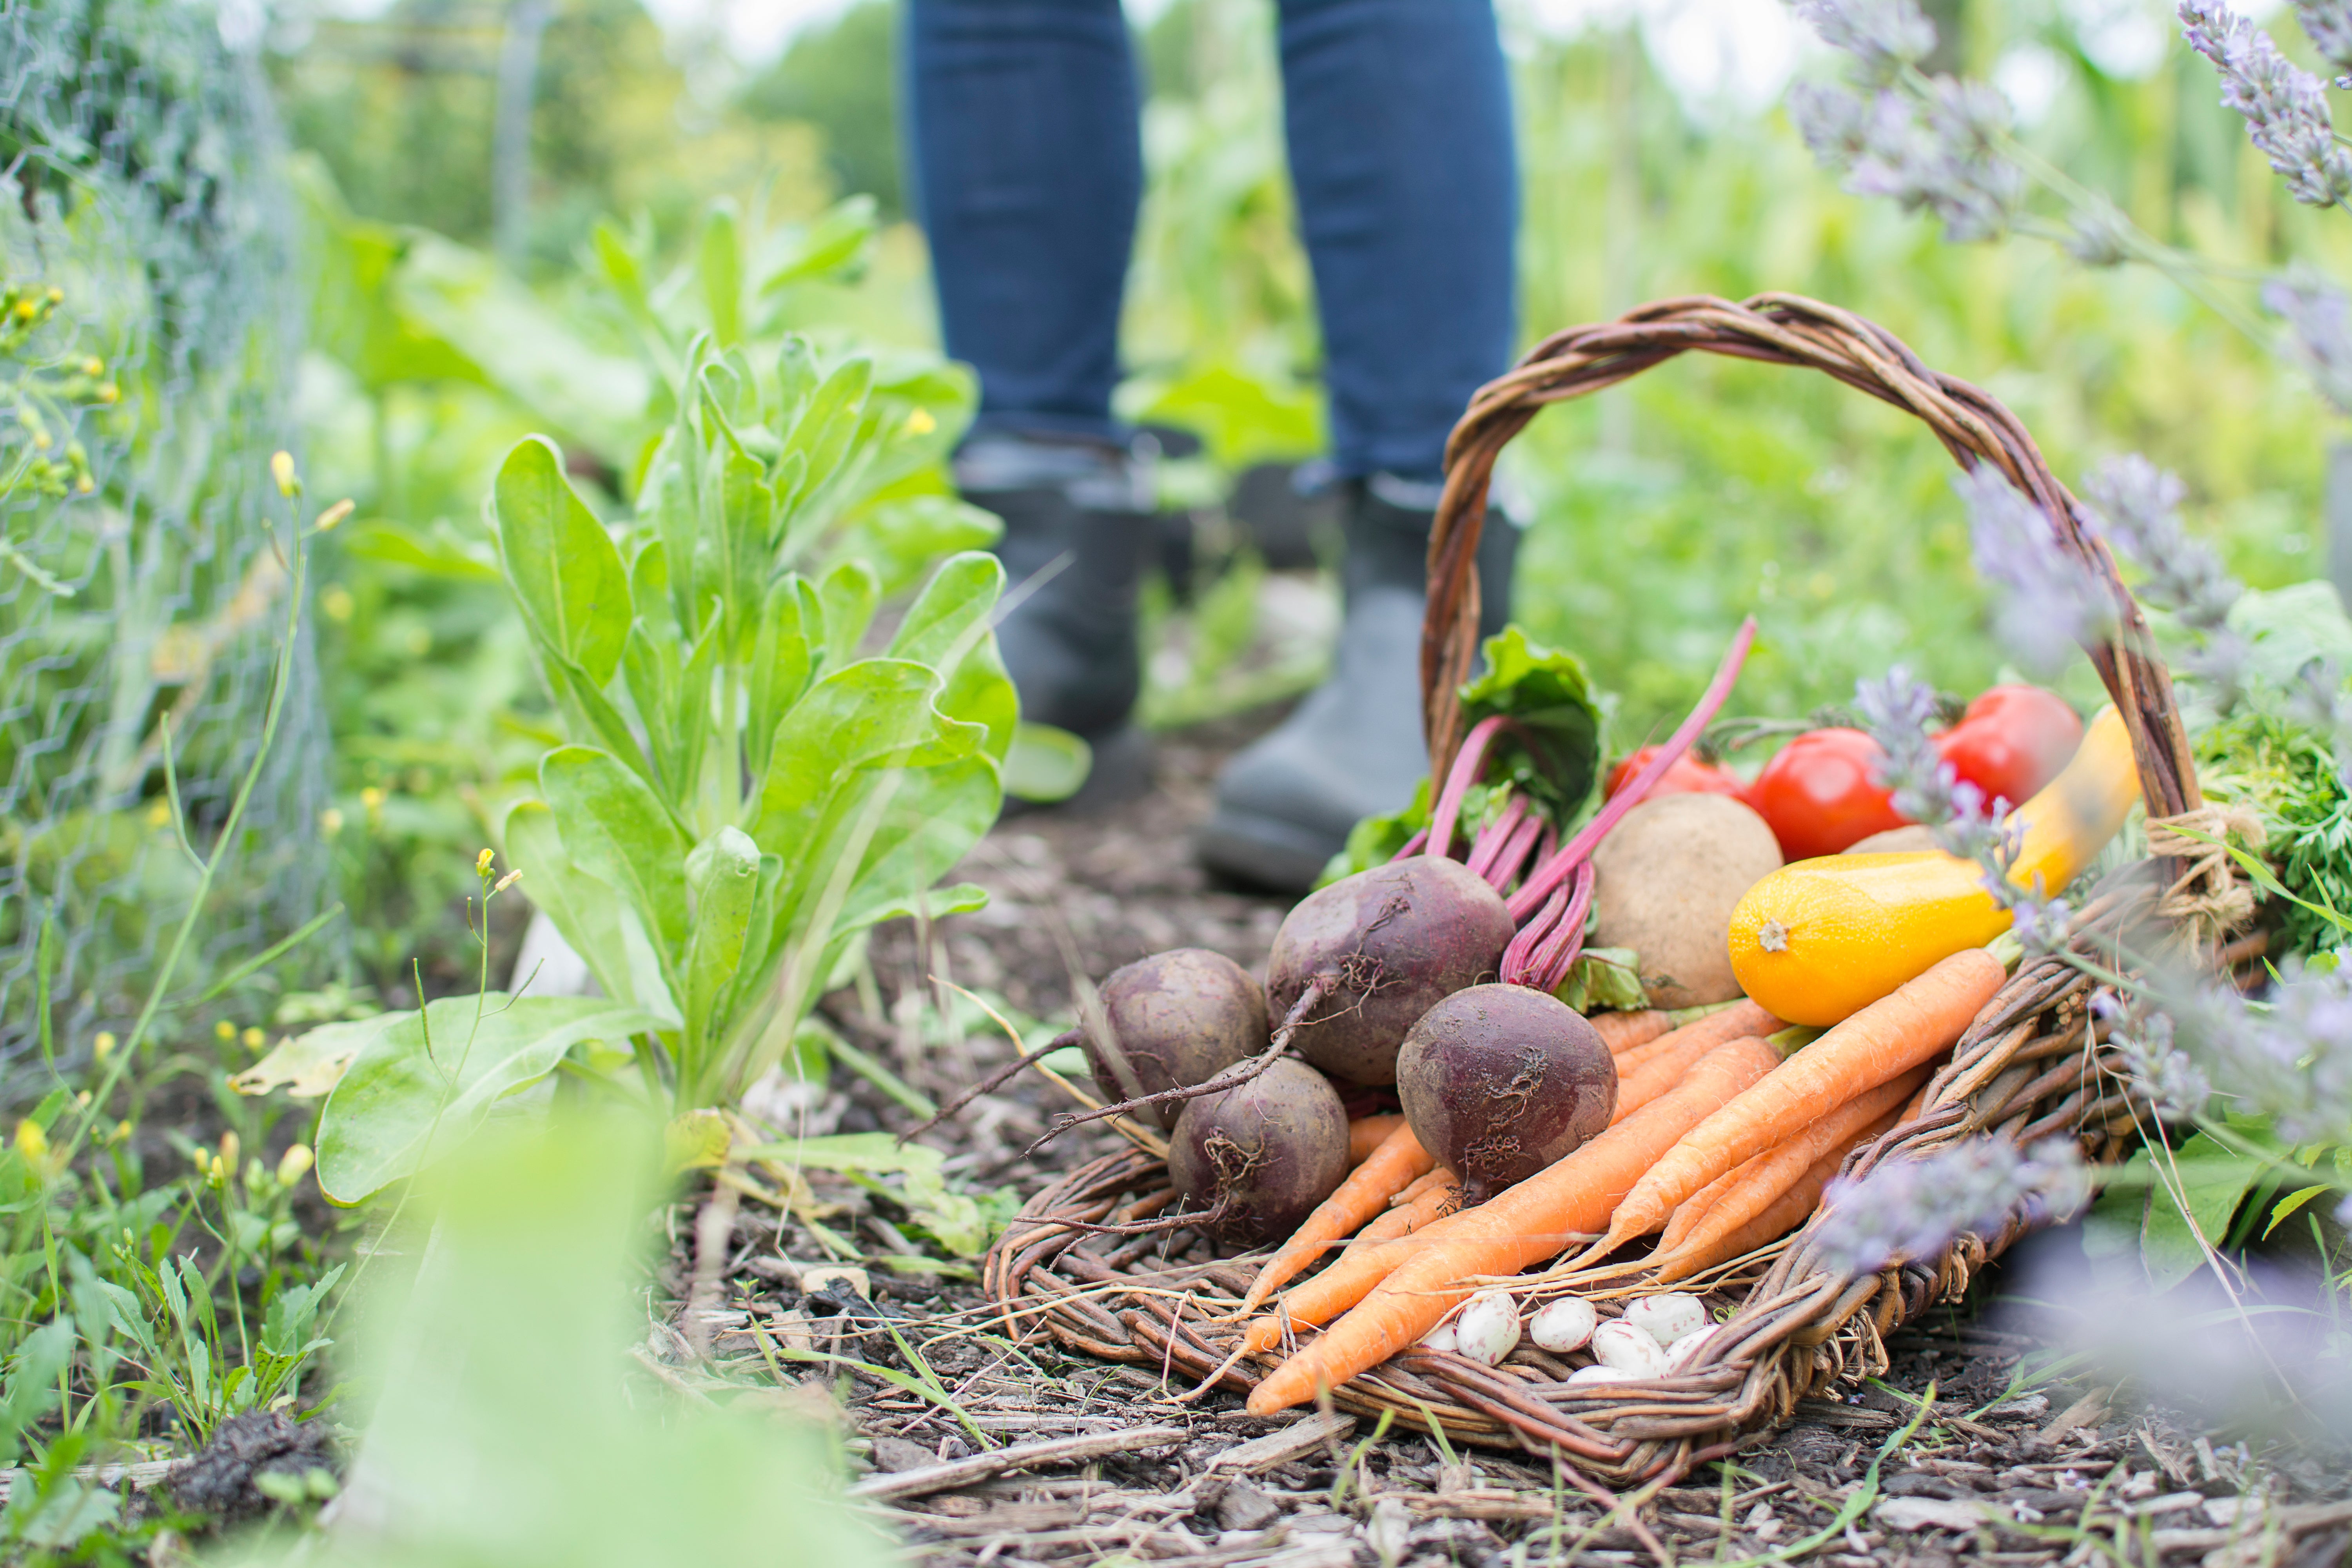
724, 874
615, 829
849, 593
585, 909
403, 1101
560, 562
875, 712
947, 628
1554, 750
310, 1064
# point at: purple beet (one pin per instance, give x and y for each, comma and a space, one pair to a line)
1267, 1152
1178, 1017
1389, 943
1500, 1081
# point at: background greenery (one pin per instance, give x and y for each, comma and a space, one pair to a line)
1657, 514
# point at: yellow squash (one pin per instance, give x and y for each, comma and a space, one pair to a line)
1819, 940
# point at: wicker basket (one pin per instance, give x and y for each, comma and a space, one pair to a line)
1083, 1261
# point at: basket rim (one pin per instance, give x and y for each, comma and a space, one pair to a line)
1777, 328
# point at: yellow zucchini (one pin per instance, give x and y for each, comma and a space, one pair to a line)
1819, 940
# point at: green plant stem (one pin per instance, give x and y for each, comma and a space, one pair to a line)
279, 683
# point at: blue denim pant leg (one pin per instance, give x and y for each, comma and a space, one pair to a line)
1028, 170
1023, 120
1398, 119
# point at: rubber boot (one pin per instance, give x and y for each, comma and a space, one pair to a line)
1078, 527
1354, 746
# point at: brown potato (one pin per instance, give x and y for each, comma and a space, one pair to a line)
1665, 882
1894, 841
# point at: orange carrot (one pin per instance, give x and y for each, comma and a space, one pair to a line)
1350, 1277
1706, 1246
1639, 1086
1433, 1197
1366, 1133
1919, 1022
1765, 1177
1436, 1177
1913, 1111
1518, 1226
1742, 1018
1621, 1032
1693, 1208
1367, 1191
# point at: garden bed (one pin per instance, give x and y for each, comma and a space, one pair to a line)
2002, 1467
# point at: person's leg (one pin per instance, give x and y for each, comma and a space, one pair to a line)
1401, 152
1027, 169
1399, 117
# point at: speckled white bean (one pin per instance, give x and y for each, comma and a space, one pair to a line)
1600, 1374
1629, 1350
1668, 1317
1563, 1325
1685, 1351
1488, 1329
1441, 1338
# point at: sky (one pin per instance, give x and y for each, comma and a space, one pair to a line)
1734, 55
1718, 55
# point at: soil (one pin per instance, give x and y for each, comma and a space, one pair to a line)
2006, 1467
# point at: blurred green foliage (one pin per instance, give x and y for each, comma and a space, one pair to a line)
840, 77
401, 108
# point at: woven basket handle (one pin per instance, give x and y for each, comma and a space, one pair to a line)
1777, 328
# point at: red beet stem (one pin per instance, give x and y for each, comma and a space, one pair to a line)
1469, 763
1513, 856
1519, 958
1494, 835
1556, 955
1548, 877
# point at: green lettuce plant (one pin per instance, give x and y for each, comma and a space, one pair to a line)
739, 792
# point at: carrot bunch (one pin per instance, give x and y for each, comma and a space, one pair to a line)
1720, 1142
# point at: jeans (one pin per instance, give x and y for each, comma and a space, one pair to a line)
1027, 170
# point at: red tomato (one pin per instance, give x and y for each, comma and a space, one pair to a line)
1687, 776
2011, 741
1817, 794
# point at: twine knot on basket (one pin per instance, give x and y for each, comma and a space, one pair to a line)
2209, 896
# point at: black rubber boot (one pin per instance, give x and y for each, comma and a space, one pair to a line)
1354, 746
1078, 527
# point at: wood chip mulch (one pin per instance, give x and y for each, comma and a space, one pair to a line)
976, 1442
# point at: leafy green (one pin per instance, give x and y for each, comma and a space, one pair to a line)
1552, 751
1604, 977
427, 1078
739, 794
2284, 772
1553, 748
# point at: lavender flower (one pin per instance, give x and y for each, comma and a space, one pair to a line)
2319, 318
2284, 107
2051, 598
1833, 121
2290, 1057
2173, 1082
2097, 236
2297, 1062
1896, 712
1941, 153
2322, 702
1913, 1208
2328, 24
1882, 35
2136, 506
